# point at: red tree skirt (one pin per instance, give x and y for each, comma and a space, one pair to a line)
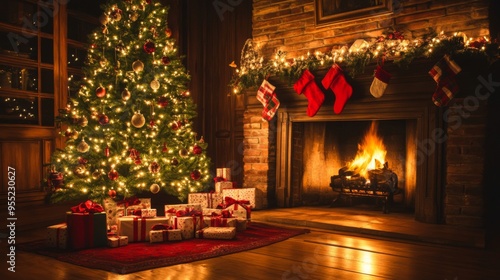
143, 255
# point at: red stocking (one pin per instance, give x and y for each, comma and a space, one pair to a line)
336, 81
310, 89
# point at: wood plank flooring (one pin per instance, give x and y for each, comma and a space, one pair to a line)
320, 254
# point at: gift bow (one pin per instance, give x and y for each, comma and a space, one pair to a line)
188, 212
230, 201
129, 201
87, 207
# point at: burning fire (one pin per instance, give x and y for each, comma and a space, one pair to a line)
371, 153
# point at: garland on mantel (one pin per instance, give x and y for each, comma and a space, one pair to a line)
392, 47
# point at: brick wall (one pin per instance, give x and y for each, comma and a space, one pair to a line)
289, 25
465, 154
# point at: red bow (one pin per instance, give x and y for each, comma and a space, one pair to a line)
87, 207
188, 212
230, 201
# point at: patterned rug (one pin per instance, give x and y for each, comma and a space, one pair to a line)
144, 255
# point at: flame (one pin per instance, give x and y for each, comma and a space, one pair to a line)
371, 153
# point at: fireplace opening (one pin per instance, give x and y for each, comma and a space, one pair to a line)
325, 148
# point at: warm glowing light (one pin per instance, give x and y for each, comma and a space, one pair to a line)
371, 153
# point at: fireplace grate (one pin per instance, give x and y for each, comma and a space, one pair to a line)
382, 183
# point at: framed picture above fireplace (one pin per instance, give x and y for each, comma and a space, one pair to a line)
331, 11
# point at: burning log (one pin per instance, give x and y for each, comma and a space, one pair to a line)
381, 182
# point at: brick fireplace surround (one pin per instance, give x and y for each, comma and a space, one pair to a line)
451, 183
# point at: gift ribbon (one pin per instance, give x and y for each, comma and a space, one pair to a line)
87, 207
139, 235
243, 203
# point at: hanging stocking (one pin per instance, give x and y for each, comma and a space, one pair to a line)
265, 92
335, 80
310, 89
444, 73
380, 82
271, 108
269, 100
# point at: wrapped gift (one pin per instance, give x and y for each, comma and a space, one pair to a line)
113, 211
137, 228
224, 173
241, 224
172, 209
148, 213
133, 203
163, 233
57, 236
188, 225
219, 221
205, 200
237, 208
117, 241
86, 230
241, 194
217, 233
219, 186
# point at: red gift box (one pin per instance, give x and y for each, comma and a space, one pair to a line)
86, 230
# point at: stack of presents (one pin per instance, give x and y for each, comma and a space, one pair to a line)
215, 215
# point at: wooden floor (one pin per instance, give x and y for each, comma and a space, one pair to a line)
321, 254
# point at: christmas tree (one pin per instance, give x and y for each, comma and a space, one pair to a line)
129, 128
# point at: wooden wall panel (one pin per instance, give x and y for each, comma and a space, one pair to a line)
25, 158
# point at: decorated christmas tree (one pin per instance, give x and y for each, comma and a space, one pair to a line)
129, 128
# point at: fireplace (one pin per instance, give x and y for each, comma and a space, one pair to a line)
430, 148
407, 120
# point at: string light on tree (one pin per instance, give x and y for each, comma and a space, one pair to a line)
132, 69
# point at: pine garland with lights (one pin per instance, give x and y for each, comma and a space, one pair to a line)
392, 47
129, 128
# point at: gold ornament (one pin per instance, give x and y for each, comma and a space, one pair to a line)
137, 66
154, 84
126, 95
154, 188
96, 174
83, 147
80, 170
138, 120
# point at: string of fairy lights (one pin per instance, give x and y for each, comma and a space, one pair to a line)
128, 127
392, 47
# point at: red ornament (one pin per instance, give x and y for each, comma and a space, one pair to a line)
163, 101
197, 149
100, 92
55, 179
148, 1
82, 160
154, 167
106, 151
168, 32
174, 161
113, 175
149, 47
103, 119
152, 123
164, 149
176, 125
112, 193
195, 175
165, 60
